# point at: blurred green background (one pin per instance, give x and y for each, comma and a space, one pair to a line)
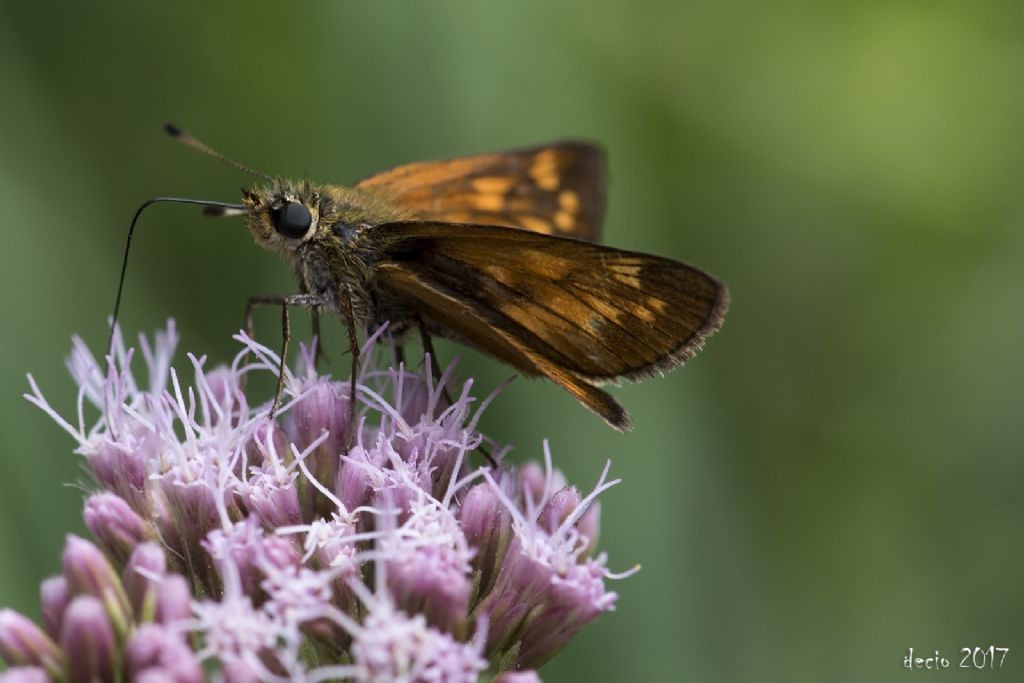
836, 479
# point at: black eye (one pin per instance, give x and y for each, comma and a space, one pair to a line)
292, 220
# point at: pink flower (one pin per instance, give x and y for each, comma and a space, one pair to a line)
305, 547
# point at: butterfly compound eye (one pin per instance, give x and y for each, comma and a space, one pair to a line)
292, 220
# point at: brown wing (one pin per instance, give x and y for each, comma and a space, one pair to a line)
557, 189
575, 312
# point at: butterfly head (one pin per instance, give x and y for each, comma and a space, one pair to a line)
284, 215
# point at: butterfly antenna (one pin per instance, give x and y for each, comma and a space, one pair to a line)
225, 208
186, 139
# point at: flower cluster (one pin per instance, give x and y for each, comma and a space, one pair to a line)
344, 538
102, 626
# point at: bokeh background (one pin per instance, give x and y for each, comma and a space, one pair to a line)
836, 479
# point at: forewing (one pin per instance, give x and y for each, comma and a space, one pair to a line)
567, 309
556, 189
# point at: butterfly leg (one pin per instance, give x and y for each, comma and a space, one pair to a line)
285, 302
353, 342
399, 354
435, 371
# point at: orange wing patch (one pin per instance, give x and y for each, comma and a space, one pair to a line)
557, 189
544, 170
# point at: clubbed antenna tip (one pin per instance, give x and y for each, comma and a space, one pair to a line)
186, 139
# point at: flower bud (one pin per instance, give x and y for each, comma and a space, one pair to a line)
117, 527
533, 481
155, 648
22, 643
88, 572
53, 599
173, 599
487, 526
88, 641
355, 484
562, 504
190, 514
142, 576
121, 469
326, 407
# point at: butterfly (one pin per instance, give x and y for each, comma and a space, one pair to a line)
496, 251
